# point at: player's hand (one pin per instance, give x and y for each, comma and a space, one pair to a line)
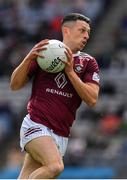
34, 53
69, 63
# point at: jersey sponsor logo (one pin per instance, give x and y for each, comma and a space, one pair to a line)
96, 77
60, 80
61, 93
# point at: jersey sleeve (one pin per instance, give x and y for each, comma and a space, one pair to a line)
32, 68
92, 72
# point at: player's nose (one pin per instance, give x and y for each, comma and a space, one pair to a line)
86, 36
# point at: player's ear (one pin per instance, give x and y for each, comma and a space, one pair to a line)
65, 30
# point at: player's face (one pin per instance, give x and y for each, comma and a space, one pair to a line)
79, 34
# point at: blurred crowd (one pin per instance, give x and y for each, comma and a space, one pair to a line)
24, 23
99, 135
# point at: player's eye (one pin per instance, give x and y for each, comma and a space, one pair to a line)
82, 30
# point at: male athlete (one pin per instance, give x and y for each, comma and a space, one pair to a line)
55, 99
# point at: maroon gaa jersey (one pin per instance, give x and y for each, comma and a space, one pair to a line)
53, 100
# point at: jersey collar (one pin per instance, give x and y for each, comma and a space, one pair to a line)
76, 54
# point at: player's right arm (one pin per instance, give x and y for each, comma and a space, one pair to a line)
19, 76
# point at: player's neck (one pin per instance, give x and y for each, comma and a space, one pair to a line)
74, 51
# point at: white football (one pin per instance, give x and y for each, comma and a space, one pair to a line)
53, 55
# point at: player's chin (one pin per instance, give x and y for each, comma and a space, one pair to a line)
81, 48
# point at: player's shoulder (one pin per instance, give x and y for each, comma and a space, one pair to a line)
92, 63
87, 56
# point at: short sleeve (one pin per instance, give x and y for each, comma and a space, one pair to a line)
32, 68
92, 72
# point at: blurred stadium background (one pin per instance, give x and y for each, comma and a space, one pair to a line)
98, 144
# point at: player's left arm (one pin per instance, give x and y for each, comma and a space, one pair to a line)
88, 91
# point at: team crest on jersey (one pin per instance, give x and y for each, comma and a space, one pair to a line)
96, 77
78, 68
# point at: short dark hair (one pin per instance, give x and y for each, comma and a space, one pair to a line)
75, 17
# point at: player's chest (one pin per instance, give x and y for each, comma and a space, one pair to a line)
79, 66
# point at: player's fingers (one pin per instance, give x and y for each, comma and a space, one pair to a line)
40, 48
45, 40
65, 62
39, 55
68, 55
42, 43
68, 50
